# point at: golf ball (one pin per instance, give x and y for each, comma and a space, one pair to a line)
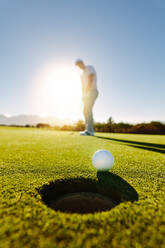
103, 160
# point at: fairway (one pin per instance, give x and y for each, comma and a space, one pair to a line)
32, 163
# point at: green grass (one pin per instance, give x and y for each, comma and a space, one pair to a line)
31, 158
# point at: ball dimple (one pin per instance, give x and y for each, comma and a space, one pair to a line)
103, 160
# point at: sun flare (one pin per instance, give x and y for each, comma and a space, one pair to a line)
58, 91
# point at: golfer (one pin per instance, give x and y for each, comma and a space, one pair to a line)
89, 95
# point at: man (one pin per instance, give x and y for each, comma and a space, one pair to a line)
89, 95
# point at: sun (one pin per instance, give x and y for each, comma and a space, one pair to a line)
58, 91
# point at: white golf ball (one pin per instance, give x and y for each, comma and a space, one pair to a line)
103, 160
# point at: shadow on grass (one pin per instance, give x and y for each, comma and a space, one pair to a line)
137, 144
85, 195
119, 189
148, 148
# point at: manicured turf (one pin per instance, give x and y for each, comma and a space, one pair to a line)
31, 158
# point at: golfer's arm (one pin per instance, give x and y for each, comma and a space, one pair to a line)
90, 82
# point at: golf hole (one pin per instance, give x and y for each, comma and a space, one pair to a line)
84, 195
83, 202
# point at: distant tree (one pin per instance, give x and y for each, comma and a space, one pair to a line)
154, 127
99, 127
121, 127
67, 128
79, 126
43, 125
110, 120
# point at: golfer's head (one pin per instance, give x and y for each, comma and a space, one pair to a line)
80, 64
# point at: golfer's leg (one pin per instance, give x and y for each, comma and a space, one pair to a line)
85, 114
91, 101
90, 128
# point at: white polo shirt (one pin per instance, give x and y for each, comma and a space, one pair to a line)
85, 77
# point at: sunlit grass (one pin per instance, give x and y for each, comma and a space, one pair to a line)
31, 158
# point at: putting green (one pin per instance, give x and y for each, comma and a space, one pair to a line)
37, 165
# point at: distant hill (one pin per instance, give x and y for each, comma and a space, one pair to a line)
32, 120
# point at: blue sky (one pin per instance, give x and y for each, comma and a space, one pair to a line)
123, 40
